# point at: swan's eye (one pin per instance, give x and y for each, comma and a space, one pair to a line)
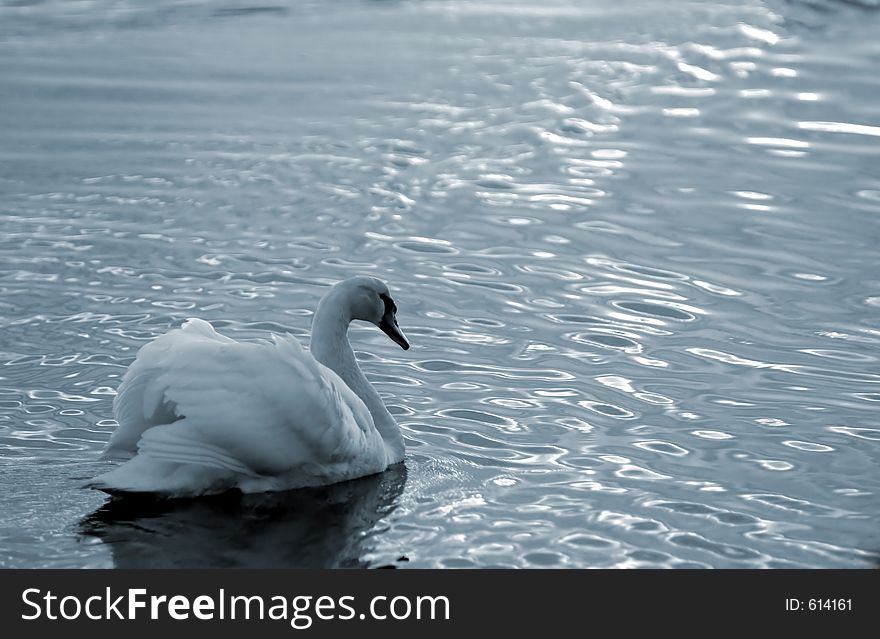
390, 306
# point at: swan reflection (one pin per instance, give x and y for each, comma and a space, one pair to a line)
325, 527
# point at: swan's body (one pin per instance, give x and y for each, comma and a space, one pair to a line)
200, 413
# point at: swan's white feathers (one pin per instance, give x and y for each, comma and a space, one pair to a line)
183, 445
200, 408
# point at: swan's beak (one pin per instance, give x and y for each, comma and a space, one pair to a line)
391, 329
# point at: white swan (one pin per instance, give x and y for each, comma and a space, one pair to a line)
200, 413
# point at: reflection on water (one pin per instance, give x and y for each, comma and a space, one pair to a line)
634, 246
312, 528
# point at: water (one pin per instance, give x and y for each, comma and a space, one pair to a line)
634, 245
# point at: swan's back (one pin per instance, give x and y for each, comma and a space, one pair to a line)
201, 413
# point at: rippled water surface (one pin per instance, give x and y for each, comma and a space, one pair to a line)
634, 245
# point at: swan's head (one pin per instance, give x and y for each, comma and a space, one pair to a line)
369, 300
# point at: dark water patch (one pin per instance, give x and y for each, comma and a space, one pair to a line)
657, 310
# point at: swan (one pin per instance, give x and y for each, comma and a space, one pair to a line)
200, 413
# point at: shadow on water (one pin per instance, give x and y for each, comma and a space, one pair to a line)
323, 527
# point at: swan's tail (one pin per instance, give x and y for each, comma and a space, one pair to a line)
143, 474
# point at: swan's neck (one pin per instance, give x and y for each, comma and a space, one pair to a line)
331, 347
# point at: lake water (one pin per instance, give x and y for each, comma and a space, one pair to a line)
634, 244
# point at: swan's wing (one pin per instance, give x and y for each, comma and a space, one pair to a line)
139, 403
249, 408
